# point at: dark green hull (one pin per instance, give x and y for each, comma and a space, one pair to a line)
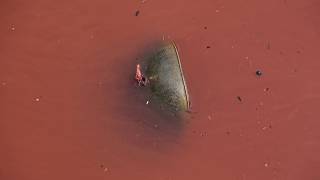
166, 77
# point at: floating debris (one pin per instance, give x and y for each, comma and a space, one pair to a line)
12, 28
37, 99
259, 73
137, 13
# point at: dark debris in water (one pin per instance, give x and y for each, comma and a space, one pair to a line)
137, 13
259, 73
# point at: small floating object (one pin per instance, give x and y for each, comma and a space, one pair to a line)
258, 73
166, 80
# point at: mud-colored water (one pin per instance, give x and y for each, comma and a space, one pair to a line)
69, 108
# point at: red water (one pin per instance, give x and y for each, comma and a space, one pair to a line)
69, 109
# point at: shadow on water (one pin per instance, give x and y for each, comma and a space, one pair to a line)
145, 123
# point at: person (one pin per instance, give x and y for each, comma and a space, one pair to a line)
140, 78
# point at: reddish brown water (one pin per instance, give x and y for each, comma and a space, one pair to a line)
69, 109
